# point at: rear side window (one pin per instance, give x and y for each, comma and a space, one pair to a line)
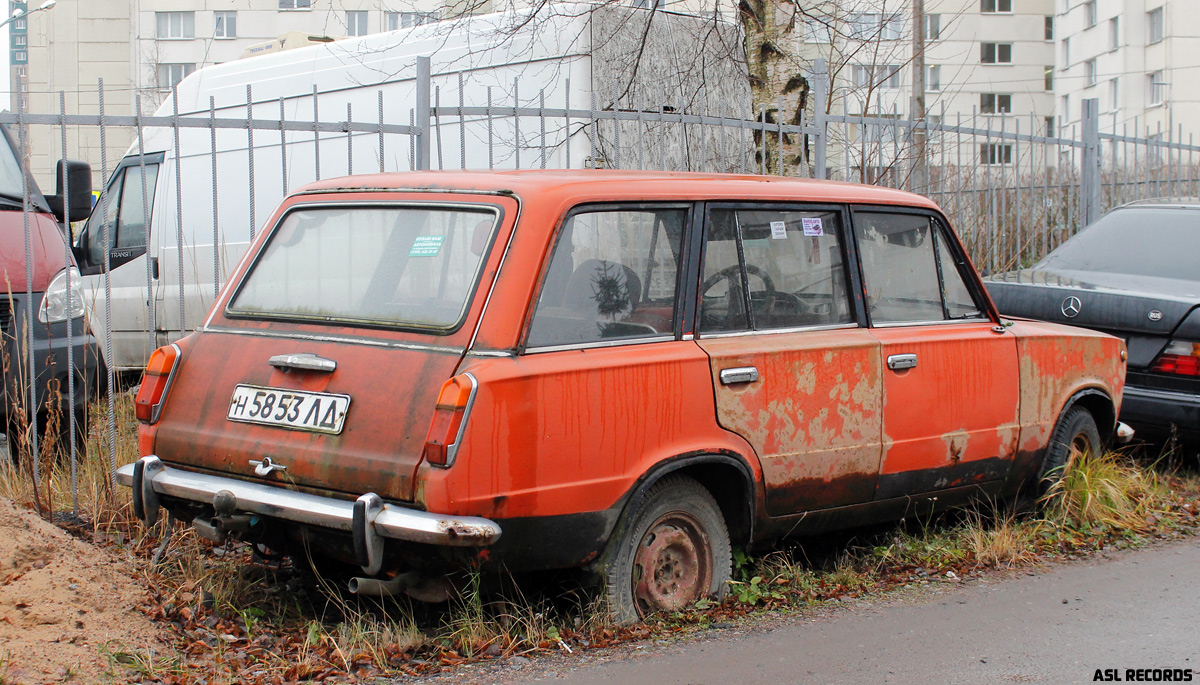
909, 271
614, 275
770, 269
406, 266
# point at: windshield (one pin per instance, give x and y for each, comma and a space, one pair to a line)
1140, 241
10, 171
406, 266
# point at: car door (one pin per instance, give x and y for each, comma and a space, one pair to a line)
794, 372
951, 378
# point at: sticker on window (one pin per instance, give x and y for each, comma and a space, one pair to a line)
778, 230
426, 246
812, 226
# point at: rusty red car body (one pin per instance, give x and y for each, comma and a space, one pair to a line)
810, 402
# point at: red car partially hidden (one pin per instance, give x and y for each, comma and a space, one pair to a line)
623, 371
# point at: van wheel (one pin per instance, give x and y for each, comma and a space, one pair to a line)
1075, 434
674, 552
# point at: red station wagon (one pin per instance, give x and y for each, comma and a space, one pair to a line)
627, 372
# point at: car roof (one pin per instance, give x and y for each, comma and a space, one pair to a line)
600, 185
1163, 203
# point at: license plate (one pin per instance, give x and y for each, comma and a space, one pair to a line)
319, 412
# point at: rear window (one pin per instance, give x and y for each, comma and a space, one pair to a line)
408, 266
1140, 241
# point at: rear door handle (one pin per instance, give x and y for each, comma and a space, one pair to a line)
306, 361
740, 374
899, 362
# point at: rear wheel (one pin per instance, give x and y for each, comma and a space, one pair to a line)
1075, 435
674, 552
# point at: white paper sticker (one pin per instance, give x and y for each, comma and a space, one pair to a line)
812, 226
778, 230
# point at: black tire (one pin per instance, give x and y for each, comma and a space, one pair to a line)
1076, 433
679, 530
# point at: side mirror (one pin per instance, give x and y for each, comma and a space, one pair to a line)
79, 177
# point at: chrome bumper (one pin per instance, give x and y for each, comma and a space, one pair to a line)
366, 518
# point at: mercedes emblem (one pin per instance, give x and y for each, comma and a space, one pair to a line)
1155, 315
1071, 307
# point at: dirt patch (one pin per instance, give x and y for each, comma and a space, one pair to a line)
62, 601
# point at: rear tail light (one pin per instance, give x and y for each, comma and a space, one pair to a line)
450, 419
156, 380
1181, 358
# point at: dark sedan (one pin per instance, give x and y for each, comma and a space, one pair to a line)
1135, 273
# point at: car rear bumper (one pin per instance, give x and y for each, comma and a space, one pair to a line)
366, 518
1152, 410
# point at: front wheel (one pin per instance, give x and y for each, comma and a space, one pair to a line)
674, 552
1075, 435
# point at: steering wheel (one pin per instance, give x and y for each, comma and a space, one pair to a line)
730, 273
734, 312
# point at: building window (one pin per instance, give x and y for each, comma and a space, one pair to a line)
1066, 52
176, 24
1154, 26
995, 103
648, 4
1156, 87
403, 20
880, 26
933, 26
1089, 71
356, 23
933, 78
1113, 95
169, 75
1089, 14
19, 40
1048, 78
995, 153
1114, 33
1066, 108
295, 4
20, 25
224, 24
993, 6
884, 76
1049, 124
995, 53
1049, 35
20, 57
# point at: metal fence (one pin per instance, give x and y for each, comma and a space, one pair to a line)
1012, 191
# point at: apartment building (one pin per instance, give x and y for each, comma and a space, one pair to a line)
1137, 57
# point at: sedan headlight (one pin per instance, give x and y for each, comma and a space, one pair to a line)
54, 304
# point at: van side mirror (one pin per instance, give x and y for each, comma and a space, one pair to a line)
79, 177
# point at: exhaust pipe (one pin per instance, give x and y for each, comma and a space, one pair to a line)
374, 587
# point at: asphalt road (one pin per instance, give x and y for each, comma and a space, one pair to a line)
1130, 610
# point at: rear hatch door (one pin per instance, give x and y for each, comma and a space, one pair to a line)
329, 349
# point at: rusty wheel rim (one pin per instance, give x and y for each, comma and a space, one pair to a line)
672, 567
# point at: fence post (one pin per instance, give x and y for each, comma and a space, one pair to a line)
424, 87
820, 93
1089, 180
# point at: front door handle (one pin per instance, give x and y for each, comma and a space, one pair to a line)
899, 362
740, 374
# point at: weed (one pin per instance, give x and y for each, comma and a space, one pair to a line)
1106, 491
754, 591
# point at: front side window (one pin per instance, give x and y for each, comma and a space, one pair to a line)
175, 24
910, 274
614, 275
770, 269
408, 266
127, 227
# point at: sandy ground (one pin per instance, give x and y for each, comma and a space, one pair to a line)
63, 601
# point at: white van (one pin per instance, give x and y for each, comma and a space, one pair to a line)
570, 53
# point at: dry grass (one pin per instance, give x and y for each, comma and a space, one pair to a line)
1105, 490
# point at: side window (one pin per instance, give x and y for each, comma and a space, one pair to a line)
131, 231
614, 274
95, 228
959, 302
909, 274
773, 268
